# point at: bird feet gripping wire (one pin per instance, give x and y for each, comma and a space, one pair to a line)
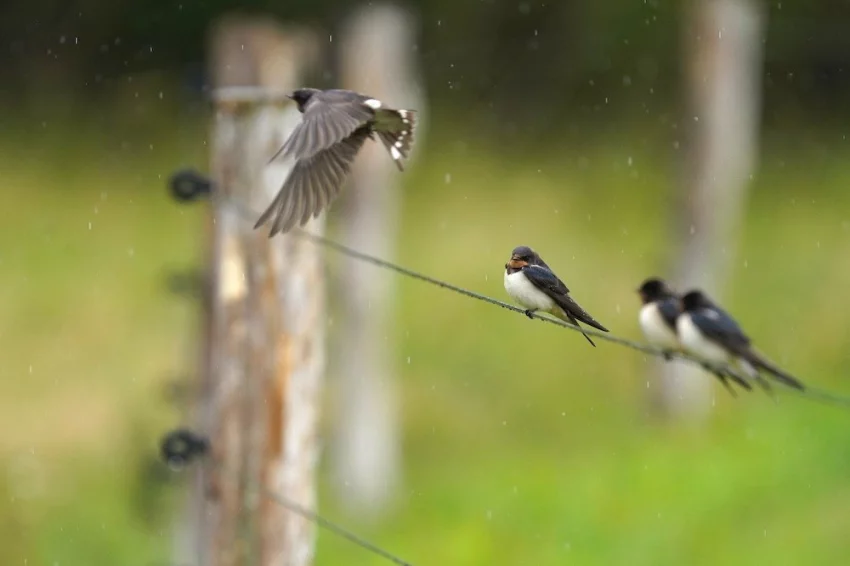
530, 313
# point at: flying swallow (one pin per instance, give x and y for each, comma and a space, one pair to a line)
532, 284
710, 334
334, 126
658, 315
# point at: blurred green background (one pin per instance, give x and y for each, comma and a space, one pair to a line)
522, 444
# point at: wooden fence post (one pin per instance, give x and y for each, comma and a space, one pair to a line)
265, 354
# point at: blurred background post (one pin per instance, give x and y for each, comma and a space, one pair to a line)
723, 42
375, 57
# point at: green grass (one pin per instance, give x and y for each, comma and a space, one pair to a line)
522, 444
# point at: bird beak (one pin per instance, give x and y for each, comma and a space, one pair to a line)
290, 96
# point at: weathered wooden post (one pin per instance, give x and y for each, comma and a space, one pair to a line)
723, 46
377, 57
265, 358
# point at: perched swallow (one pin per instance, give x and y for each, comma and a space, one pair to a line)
334, 126
532, 284
710, 334
658, 315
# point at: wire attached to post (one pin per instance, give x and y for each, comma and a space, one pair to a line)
181, 447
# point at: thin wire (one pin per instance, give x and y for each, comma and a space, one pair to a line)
333, 527
345, 250
809, 392
198, 447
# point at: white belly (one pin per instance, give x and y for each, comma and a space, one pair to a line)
526, 294
655, 329
694, 342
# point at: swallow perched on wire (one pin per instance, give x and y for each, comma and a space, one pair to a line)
532, 284
334, 126
658, 316
710, 334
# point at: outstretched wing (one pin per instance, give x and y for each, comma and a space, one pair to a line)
549, 283
312, 184
327, 120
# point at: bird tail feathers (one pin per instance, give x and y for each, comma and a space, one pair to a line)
566, 316
396, 133
761, 363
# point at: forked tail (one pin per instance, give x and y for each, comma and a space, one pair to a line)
396, 133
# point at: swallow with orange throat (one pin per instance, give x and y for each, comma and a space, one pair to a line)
533, 284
